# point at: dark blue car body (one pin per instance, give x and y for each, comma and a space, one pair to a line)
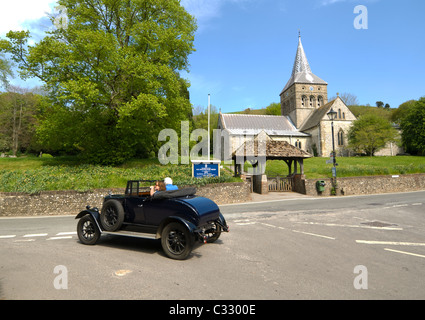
177, 217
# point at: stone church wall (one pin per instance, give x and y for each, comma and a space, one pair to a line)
369, 185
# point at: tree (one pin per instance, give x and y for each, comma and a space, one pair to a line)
379, 104
112, 75
18, 109
370, 133
274, 108
5, 71
413, 127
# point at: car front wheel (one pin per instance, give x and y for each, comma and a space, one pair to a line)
176, 241
87, 230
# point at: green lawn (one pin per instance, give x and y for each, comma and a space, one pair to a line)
315, 168
32, 174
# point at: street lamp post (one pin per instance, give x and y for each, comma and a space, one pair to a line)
332, 116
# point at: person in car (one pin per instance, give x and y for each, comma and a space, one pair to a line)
159, 186
169, 184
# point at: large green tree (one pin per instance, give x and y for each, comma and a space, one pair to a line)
18, 109
413, 127
112, 71
370, 133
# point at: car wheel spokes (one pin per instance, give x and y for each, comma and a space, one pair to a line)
176, 241
111, 216
88, 230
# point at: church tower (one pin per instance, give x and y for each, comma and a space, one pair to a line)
304, 92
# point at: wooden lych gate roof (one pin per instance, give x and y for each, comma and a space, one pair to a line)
274, 149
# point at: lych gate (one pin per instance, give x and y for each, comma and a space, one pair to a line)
263, 148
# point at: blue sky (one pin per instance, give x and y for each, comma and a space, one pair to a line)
245, 49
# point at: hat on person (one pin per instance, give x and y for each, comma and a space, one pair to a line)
168, 180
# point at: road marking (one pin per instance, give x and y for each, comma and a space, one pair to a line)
57, 238
66, 233
314, 234
417, 204
404, 252
8, 236
26, 240
268, 225
351, 226
400, 205
394, 243
35, 235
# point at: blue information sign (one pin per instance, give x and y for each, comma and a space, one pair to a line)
201, 170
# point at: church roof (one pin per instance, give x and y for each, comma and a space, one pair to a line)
301, 71
249, 124
317, 115
272, 149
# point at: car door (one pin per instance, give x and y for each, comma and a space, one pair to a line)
135, 209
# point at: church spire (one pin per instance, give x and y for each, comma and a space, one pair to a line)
301, 71
300, 63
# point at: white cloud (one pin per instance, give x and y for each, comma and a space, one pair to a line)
15, 14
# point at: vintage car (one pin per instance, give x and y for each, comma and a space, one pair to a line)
179, 218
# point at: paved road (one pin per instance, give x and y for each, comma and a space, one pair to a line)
360, 247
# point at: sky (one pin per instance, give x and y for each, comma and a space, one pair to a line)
245, 49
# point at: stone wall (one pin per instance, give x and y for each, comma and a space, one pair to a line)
72, 202
369, 185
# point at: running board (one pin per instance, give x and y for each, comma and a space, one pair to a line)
131, 234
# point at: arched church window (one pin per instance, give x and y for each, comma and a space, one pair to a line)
312, 101
319, 101
303, 100
298, 143
340, 137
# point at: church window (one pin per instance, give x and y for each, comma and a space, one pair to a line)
339, 113
298, 143
343, 115
319, 101
341, 138
312, 101
303, 101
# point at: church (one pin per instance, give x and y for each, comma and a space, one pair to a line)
304, 122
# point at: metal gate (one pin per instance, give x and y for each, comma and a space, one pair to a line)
280, 184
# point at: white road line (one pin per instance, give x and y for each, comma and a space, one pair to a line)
351, 226
66, 233
26, 240
404, 252
8, 236
417, 204
245, 223
268, 225
394, 243
35, 235
58, 238
314, 234
400, 205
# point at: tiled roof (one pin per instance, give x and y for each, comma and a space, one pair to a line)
248, 124
274, 149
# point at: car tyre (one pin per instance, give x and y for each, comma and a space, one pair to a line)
112, 215
176, 241
214, 233
87, 230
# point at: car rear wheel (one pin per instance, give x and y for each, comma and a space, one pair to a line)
176, 241
213, 234
87, 230
112, 215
